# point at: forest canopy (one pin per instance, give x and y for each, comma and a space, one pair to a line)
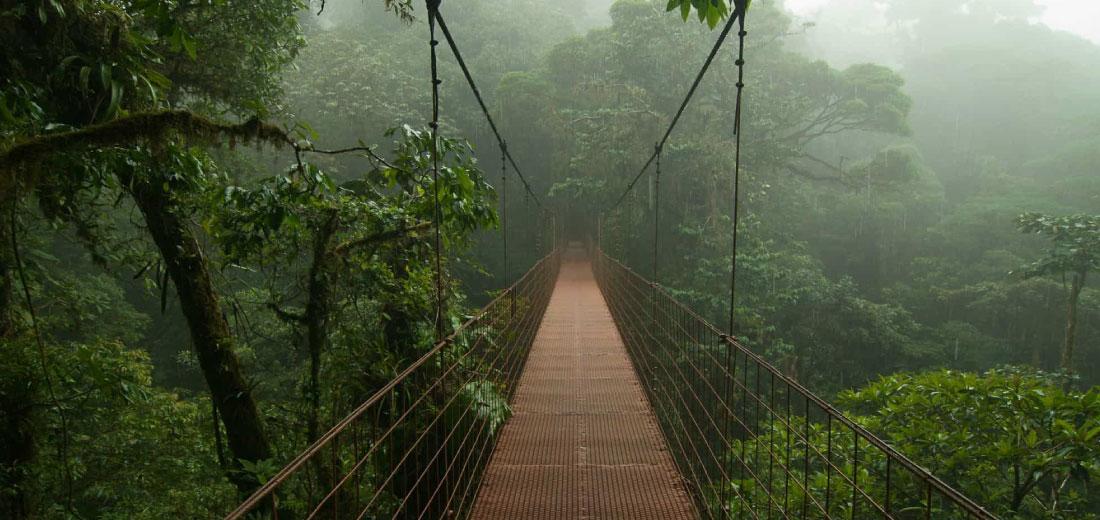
218, 222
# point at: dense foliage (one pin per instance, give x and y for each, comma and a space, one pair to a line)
1018, 441
194, 283
120, 126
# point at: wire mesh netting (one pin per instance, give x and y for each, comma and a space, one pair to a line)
417, 448
749, 441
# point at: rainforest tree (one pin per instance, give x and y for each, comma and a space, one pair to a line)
215, 221
1074, 252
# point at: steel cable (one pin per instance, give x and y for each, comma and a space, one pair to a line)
737, 15
481, 104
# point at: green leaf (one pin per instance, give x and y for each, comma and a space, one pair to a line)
116, 99
714, 15
310, 133
105, 75
65, 62
4, 113
158, 79
152, 90
85, 74
189, 46
182, 42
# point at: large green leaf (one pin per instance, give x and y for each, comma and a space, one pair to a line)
710, 11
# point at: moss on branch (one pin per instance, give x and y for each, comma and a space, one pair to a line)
18, 161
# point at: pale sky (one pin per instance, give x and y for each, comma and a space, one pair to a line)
1081, 17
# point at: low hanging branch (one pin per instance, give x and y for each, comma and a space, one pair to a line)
380, 237
22, 157
19, 161
346, 248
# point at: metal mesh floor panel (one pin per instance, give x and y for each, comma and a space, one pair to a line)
582, 442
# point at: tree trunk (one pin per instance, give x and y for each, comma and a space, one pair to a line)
400, 338
399, 331
7, 281
317, 336
317, 313
1019, 493
1071, 320
318, 309
209, 329
17, 448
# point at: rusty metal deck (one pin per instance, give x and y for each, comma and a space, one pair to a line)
583, 442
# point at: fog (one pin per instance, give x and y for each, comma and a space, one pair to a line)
225, 225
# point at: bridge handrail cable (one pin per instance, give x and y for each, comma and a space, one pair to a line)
609, 267
541, 270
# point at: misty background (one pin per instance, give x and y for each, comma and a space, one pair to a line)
919, 235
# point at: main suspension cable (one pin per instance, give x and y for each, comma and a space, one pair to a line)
741, 33
737, 165
437, 211
433, 14
504, 204
481, 104
656, 210
737, 14
504, 219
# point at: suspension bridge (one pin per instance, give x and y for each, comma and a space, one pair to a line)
585, 390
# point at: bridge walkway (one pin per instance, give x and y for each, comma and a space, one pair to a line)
582, 441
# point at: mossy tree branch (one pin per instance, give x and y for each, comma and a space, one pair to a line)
18, 162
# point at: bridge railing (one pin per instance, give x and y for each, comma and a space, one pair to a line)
418, 446
751, 442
